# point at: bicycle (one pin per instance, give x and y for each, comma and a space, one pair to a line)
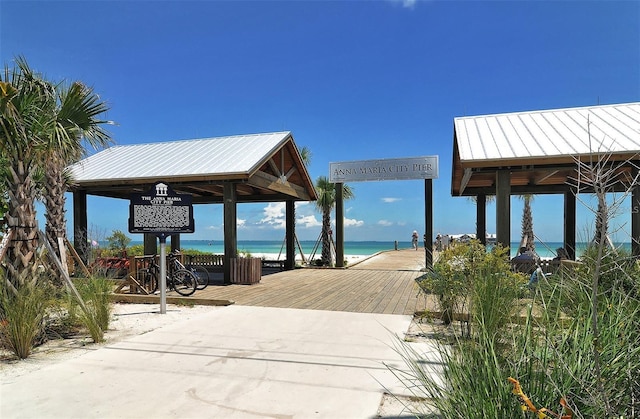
180, 279
201, 274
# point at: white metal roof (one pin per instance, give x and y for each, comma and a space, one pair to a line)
557, 132
239, 154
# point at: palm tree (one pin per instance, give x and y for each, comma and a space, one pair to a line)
24, 98
326, 192
76, 111
527, 239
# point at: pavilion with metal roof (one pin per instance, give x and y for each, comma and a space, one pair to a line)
538, 153
229, 170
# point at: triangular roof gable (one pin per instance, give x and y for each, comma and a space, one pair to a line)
196, 165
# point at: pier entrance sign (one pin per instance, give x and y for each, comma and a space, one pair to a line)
412, 168
384, 169
161, 211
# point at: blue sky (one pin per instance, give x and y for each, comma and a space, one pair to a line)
351, 80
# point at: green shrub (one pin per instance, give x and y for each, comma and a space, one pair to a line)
22, 313
96, 313
555, 351
465, 275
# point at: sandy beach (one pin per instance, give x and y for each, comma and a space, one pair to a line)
126, 320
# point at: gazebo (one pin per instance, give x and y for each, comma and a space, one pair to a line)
228, 170
538, 153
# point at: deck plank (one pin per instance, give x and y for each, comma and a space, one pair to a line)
384, 283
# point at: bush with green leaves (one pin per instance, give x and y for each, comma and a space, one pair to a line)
555, 349
22, 315
455, 277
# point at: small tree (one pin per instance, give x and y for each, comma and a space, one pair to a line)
118, 242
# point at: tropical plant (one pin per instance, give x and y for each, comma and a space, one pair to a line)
326, 192
22, 314
95, 315
74, 123
527, 240
23, 99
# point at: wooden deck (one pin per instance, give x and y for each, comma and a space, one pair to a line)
384, 283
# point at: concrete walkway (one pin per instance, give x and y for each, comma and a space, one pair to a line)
233, 362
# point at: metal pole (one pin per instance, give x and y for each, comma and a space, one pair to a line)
163, 274
428, 223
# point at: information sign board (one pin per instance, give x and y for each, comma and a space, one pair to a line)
161, 211
384, 169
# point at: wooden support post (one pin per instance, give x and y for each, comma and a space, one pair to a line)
339, 225
230, 228
570, 224
150, 244
481, 218
80, 229
175, 242
290, 235
503, 207
635, 212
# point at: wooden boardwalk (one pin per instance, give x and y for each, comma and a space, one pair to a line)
384, 283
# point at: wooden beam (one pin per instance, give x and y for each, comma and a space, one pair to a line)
273, 167
465, 179
545, 177
267, 181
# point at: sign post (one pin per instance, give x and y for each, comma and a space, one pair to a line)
162, 212
425, 167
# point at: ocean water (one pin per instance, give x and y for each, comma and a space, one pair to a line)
545, 250
356, 248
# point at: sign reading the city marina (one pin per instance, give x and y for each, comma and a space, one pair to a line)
161, 211
425, 167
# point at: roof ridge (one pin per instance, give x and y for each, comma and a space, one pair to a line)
547, 110
184, 140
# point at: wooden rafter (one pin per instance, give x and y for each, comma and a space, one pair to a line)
264, 180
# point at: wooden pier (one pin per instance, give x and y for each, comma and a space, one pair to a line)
385, 283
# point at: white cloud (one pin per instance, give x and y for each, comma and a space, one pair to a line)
308, 221
385, 223
407, 4
350, 222
274, 215
240, 222
390, 200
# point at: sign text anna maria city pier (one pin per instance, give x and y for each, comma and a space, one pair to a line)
384, 169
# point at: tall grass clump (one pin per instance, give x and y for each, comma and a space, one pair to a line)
560, 349
95, 310
551, 346
22, 315
478, 287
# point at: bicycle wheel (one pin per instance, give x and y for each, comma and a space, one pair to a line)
184, 282
202, 276
148, 279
